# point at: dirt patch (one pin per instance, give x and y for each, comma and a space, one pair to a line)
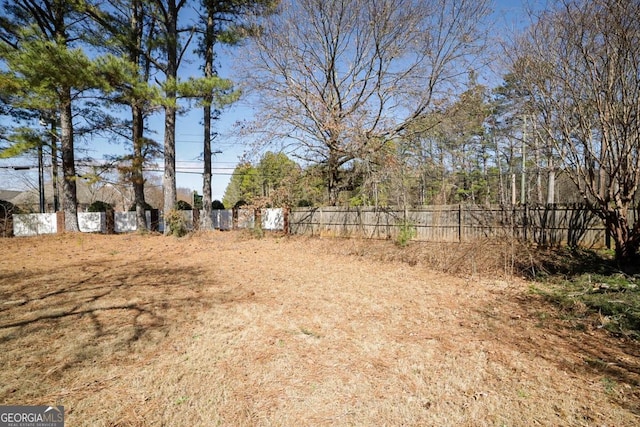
220, 329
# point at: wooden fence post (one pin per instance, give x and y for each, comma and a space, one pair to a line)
285, 220
525, 222
514, 224
195, 218
110, 221
257, 219
459, 222
155, 220
60, 228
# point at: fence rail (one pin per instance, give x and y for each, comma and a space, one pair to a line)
545, 225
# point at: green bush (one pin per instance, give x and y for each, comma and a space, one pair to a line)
406, 231
100, 206
357, 201
176, 223
181, 205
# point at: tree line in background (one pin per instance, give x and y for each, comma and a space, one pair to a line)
477, 150
77, 67
374, 102
382, 99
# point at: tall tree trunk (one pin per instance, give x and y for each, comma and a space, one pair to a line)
333, 178
333, 186
485, 175
137, 164
602, 173
539, 192
627, 240
69, 198
54, 164
444, 199
551, 184
206, 222
501, 186
137, 120
551, 187
169, 178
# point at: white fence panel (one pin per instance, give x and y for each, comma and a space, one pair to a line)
92, 222
34, 224
273, 219
246, 218
225, 219
222, 219
125, 222
215, 219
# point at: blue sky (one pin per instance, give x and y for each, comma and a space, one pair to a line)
508, 14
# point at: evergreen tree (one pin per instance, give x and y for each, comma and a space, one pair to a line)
39, 49
244, 185
220, 22
126, 29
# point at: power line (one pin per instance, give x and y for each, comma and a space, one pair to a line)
191, 172
19, 168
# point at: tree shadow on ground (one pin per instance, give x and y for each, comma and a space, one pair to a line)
531, 325
101, 314
565, 261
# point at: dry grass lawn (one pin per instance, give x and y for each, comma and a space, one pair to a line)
222, 329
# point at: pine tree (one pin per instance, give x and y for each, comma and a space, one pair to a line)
222, 22
38, 49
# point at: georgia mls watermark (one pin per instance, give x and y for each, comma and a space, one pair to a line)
31, 416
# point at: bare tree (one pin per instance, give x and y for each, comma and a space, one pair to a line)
580, 65
338, 79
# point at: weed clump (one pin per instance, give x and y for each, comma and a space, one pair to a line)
610, 301
406, 232
176, 223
